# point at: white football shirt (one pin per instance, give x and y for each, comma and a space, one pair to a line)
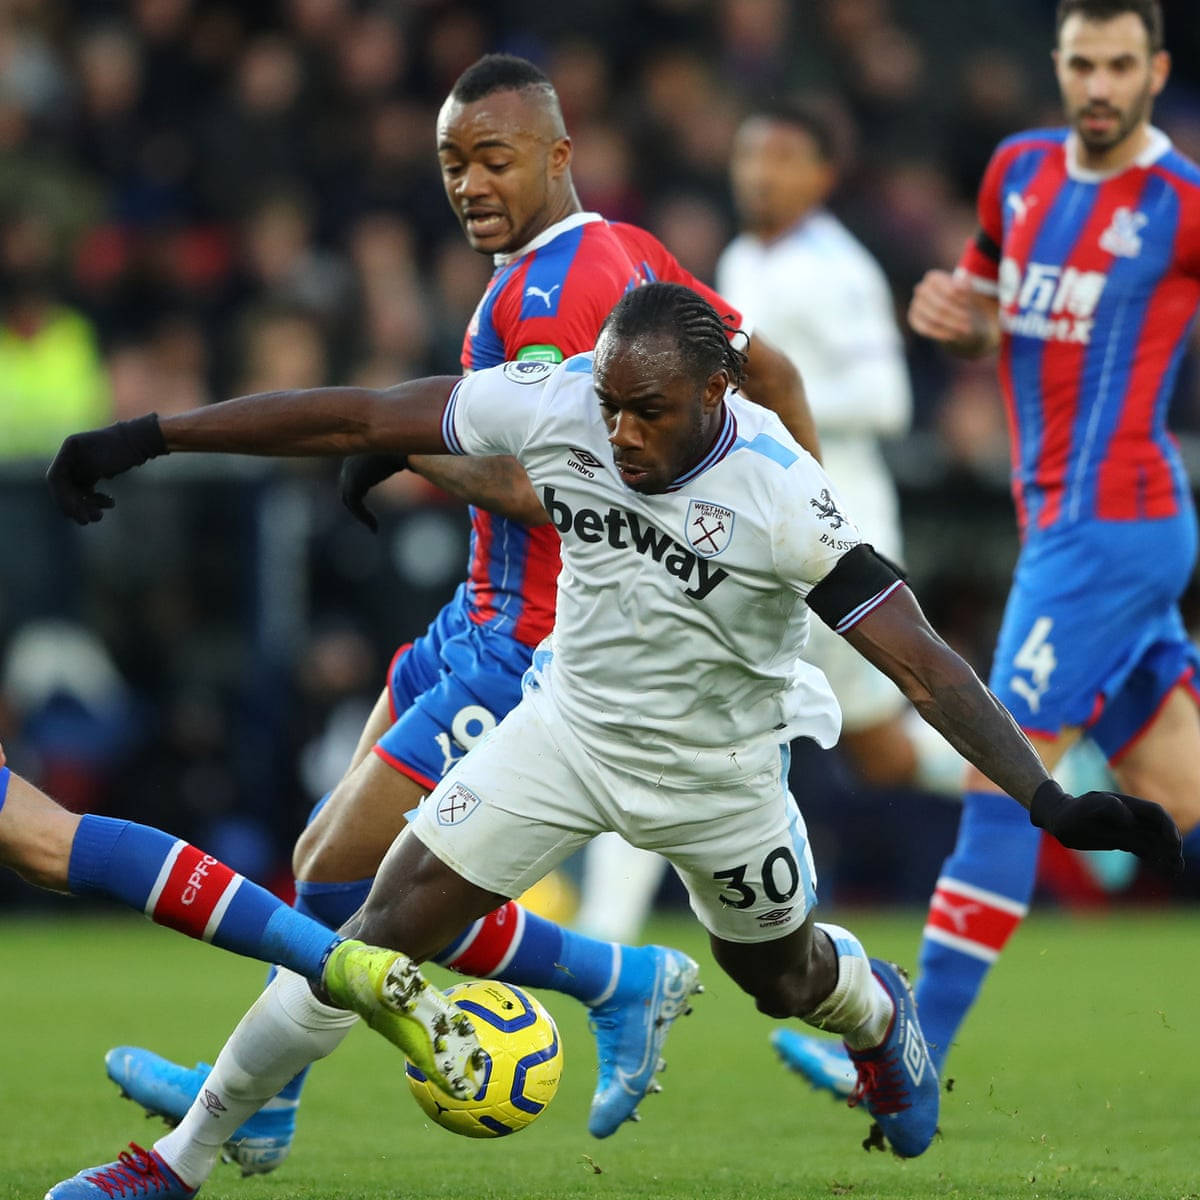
817, 293
680, 616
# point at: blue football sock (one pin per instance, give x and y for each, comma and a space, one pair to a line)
333, 904
4, 774
179, 886
516, 945
981, 897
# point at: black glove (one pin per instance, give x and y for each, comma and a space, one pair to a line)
359, 474
86, 457
1108, 821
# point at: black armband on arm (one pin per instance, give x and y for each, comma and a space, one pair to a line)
986, 245
861, 580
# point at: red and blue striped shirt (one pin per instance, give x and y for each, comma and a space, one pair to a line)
1098, 279
548, 302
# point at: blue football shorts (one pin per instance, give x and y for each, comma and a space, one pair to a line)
448, 689
1092, 634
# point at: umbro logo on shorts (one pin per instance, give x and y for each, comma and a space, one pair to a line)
776, 916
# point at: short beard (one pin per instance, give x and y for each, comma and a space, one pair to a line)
1137, 112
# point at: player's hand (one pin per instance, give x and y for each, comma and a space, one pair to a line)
359, 474
85, 458
1108, 821
942, 309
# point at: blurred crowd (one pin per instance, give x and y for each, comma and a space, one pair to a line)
200, 198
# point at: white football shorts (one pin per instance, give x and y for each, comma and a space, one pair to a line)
528, 795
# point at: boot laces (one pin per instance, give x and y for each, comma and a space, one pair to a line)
880, 1086
136, 1171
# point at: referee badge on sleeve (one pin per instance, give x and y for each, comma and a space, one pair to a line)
708, 527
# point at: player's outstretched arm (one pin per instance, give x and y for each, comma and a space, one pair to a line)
496, 482
773, 381
896, 637
949, 310
319, 421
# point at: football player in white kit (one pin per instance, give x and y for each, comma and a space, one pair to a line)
696, 535
809, 285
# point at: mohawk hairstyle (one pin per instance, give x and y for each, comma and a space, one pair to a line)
701, 333
500, 73
1150, 12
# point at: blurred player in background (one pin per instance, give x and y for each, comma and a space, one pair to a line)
663, 703
506, 164
815, 291
1085, 275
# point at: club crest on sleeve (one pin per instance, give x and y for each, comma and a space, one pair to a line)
827, 509
456, 804
527, 371
708, 527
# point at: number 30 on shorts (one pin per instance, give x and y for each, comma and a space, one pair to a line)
780, 879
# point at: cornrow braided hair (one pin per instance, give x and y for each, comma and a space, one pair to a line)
702, 334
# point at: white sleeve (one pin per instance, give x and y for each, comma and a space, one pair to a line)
493, 411
850, 354
811, 527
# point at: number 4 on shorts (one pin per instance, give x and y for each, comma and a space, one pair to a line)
1036, 656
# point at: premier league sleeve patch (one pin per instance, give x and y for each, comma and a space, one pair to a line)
456, 804
527, 371
708, 527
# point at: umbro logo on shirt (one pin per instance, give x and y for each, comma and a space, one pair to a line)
585, 463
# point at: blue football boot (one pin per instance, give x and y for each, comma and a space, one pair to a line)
165, 1089
135, 1173
897, 1081
631, 1026
823, 1062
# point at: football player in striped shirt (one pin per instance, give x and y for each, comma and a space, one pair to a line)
1085, 277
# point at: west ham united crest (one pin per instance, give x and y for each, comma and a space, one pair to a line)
456, 805
708, 527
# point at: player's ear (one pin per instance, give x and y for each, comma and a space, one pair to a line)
715, 389
1160, 69
560, 155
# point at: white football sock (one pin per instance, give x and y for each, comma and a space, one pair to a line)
619, 885
858, 1007
286, 1029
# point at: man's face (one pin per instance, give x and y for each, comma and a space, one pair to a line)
777, 174
502, 168
1108, 77
660, 420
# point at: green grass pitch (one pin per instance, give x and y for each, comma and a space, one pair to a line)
1075, 1077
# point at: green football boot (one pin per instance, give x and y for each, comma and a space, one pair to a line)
386, 988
